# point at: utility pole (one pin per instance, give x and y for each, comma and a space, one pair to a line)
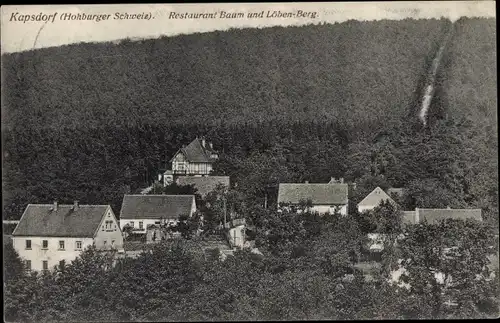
224, 211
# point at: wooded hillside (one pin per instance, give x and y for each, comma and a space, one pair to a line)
92, 121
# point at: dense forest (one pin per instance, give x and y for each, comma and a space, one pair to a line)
94, 121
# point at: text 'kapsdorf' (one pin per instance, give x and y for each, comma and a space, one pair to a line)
67, 16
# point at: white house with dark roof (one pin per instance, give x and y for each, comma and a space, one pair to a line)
49, 234
139, 211
194, 159
374, 199
326, 198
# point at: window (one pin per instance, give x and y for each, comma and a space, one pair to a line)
45, 244
61, 264
141, 225
28, 244
109, 225
27, 265
132, 224
157, 222
78, 245
61, 244
45, 265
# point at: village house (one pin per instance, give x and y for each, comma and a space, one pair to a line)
196, 159
374, 199
139, 211
50, 235
326, 198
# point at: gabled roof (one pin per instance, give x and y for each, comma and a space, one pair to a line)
40, 220
204, 184
319, 194
436, 215
375, 198
156, 206
196, 153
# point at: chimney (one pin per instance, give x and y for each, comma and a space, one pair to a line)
55, 206
75, 205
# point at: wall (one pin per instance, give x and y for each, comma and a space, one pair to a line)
52, 254
105, 236
322, 209
180, 164
237, 236
146, 222
362, 208
199, 168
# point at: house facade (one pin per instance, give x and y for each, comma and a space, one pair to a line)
374, 199
139, 211
236, 232
195, 159
49, 235
325, 198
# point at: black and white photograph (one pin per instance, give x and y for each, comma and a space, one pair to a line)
288, 161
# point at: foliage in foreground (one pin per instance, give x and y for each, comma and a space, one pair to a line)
313, 276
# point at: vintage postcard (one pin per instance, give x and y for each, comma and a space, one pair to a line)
250, 161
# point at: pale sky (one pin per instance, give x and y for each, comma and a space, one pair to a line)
19, 36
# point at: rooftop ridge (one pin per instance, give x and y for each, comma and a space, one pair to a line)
155, 195
330, 184
441, 209
71, 205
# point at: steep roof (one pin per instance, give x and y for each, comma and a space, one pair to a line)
204, 184
196, 153
436, 215
320, 194
375, 198
156, 206
40, 220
